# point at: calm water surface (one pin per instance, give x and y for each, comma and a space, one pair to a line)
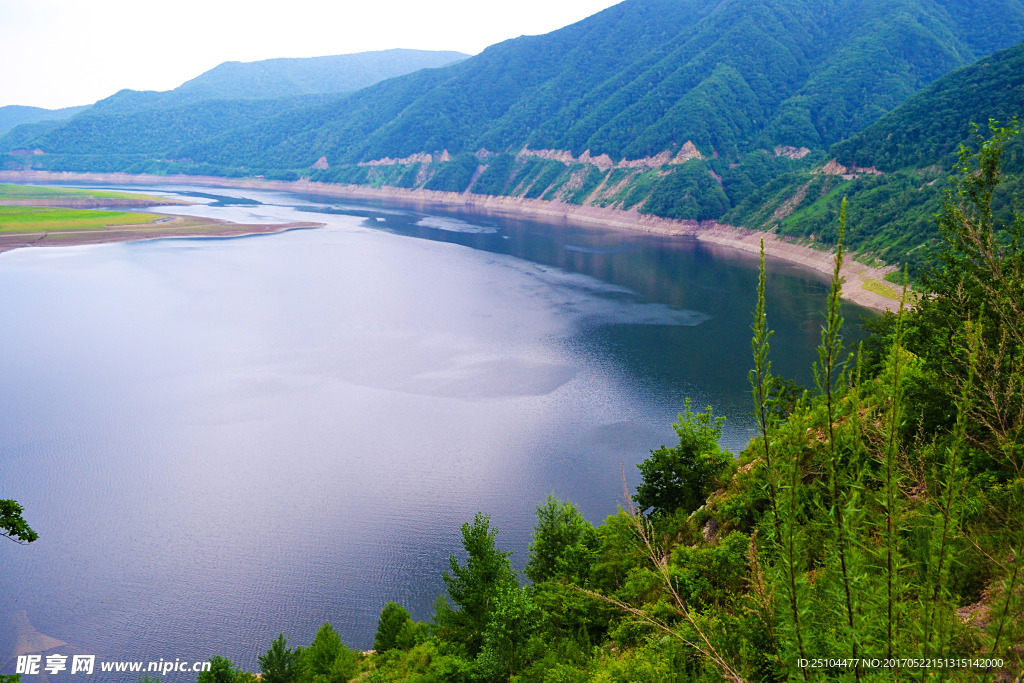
221, 439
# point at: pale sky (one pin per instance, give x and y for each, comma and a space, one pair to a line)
61, 53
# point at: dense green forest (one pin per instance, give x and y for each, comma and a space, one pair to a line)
871, 530
914, 146
152, 130
637, 79
930, 126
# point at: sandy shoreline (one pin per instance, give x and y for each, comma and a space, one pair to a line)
175, 227
856, 274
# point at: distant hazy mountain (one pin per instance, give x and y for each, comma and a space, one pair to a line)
286, 77
311, 76
15, 115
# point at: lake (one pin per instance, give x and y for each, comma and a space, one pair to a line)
222, 439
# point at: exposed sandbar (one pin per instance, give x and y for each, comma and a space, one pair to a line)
173, 226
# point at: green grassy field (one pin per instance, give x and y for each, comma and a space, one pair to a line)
10, 192
32, 219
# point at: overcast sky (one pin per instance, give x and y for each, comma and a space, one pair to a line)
60, 53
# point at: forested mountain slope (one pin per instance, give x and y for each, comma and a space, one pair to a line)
130, 123
930, 126
106, 139
649, 75
914, 148
635, 80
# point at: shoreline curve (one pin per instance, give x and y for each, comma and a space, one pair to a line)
856, 275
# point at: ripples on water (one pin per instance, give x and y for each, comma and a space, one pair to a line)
221, 439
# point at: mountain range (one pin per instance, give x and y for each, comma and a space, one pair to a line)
647, 76
689, 109
225, 97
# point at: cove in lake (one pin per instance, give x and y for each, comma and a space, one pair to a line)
221, 439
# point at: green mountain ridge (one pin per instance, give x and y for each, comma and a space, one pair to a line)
916, 145
929, 127
646, 76
639, 78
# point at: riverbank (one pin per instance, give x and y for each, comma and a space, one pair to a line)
171, 227
863, 283
39, 196
52, 216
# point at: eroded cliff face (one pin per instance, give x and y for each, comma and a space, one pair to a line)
419, 158
584, 180
833, 167
791, 152
602, 161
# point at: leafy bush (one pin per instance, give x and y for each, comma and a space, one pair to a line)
563, 545
682, 476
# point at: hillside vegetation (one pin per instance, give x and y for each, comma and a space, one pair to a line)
914, 146
930, 126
